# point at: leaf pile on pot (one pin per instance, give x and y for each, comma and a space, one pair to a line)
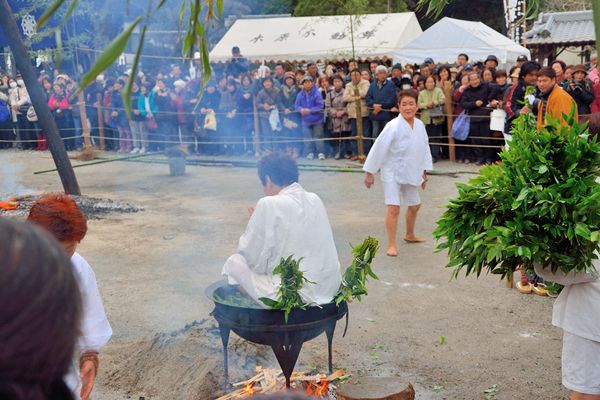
353, 283
541, 204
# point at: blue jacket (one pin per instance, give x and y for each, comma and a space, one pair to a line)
312, 100
141, 105
384, 95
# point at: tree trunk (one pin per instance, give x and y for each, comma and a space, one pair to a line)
38, 99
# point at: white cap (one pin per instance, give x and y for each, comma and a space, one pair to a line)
179, 83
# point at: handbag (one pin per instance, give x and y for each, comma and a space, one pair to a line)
151, 123
274, 120
289, 124
436, 112
461, 126
31, 115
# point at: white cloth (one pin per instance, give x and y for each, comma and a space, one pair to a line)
580, 364
397, 194
577, 308
95, 328
292, 223
401, 153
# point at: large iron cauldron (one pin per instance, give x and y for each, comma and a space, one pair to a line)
268, 327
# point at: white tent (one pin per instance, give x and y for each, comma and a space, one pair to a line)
449, 37
317, 38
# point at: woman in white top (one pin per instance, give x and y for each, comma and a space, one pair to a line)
402, 154
60, 215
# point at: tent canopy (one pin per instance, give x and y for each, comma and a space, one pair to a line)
449, 37
296, 39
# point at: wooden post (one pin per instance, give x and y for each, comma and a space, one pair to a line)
100, 121
256, 127
359, 126
448, 93
83, 115
38, 99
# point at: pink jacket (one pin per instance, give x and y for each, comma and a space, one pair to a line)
55, 103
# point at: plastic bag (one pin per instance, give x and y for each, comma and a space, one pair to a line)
274, 120
461, 126
210, 122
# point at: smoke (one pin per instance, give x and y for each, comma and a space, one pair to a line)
9, 186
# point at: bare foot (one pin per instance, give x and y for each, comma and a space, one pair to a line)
392, 252
414, 239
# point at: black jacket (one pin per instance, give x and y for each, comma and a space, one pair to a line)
583, 94
470, 97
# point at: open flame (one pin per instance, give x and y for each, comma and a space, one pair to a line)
10, 204
249, 389
319, 389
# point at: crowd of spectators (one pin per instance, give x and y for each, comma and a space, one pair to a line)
309, 110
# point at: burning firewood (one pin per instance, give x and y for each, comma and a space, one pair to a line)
269, 380
10, 204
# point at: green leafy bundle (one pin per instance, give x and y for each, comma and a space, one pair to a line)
540, 205
355, 278
288, 294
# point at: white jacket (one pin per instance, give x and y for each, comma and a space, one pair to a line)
401, 153
577, 308
95, 328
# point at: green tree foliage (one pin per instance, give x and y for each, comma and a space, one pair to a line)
341, 7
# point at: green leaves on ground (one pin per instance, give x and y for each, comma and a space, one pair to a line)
288, 294
355, 278
540, 204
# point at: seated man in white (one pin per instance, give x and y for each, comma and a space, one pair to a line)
289, 221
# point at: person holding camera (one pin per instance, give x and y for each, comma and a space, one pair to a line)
581, 90
237, 64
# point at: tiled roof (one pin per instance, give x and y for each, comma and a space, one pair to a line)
573, 27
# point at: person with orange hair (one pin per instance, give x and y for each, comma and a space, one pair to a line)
60, 215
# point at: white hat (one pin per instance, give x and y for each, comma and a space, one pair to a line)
179, 83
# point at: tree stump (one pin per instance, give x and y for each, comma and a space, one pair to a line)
372, 388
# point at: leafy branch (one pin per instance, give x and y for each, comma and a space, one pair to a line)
288, 294
540, 205
356, 276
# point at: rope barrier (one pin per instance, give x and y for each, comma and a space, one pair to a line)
250, 140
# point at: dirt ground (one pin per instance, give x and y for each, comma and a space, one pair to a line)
451, 339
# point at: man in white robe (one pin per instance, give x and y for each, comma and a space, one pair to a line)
289, 221
401, 152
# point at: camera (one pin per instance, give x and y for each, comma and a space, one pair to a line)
575, 86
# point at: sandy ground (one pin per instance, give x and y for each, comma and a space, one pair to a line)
152, 268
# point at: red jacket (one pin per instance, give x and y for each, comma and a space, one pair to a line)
596, 102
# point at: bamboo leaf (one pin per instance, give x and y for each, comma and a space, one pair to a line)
108, 56
220, 4
70, 11
126, 92
160, 4
49, 13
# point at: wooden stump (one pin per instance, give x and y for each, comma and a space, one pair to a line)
372, 388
